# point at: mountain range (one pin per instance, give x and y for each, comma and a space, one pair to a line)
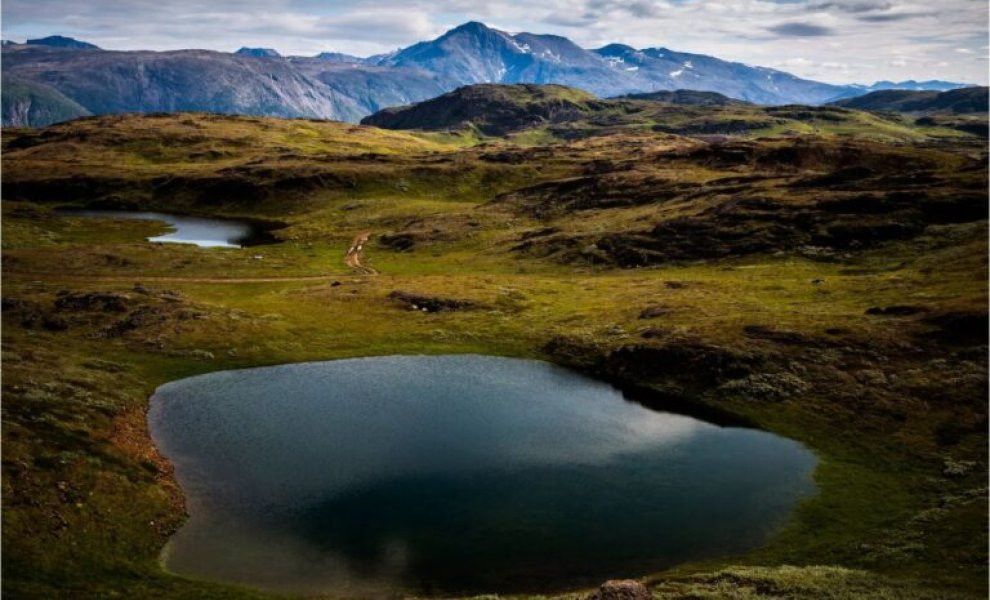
56, 78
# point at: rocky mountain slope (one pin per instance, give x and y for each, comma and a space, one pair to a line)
258, 81
186, 80
475, 53
26, 102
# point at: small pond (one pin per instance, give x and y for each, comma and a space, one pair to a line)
205, 232
454, 474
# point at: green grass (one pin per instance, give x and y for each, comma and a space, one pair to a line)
88, 504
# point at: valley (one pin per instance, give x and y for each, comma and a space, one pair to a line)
817, 272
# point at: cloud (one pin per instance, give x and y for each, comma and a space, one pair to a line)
892, 17
800, 29
875, 39
858, 6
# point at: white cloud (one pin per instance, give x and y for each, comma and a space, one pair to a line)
840, 40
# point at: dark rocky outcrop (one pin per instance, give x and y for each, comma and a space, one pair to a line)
900, 310
621, 589
430, 303
92, 301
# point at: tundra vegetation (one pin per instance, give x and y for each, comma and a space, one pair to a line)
819, 272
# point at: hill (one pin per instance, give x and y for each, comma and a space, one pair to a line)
258, 52
491, 109
26, 103
545, 112
958, 101
58, 41
688, 97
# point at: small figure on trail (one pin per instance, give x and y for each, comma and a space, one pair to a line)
356, 252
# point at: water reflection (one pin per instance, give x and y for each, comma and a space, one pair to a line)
454, 474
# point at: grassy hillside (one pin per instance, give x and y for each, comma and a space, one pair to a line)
31, 104
830, 288
540, 114
962, 100
490, 109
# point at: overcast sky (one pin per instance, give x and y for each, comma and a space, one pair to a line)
839, 41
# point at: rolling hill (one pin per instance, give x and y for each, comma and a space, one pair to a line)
959, 101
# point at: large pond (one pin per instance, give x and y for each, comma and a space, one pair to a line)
205, 232
455, 475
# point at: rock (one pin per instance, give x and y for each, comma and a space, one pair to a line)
896, 311
430, 304
621, 589
960, 327
957, 468
653, 312
100, 301
674, 285
790, 338
766, 386
335, 283
686, 368
874, 377
143, 316
400, 242
54, 323
654, 332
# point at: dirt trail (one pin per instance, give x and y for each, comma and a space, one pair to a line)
352, 259
355, 254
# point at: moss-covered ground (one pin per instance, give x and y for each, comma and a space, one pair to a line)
775, 330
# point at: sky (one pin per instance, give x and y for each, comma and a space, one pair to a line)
838, 41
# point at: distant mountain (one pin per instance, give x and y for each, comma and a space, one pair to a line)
258, 52
105, 82
475, 53
933, 84
854, 90
958, 101
687, 97
492, 109
339, 57
58, 41
338, 86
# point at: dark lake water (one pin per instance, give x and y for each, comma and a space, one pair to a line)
454, 474
204, 232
